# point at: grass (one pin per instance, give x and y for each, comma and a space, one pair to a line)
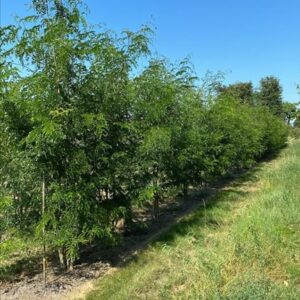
244, 245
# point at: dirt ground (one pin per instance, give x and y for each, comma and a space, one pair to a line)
95, 263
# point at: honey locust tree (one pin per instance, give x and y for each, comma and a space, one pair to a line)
73, 122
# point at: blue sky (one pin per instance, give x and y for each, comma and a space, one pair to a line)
247, 39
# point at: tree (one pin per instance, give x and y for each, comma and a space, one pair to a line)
155, 112
290, 111
270, 95
240, 90
69, 115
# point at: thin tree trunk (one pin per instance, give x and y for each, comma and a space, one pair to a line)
61, 258
156, 206
70, 264
156, 195
44, 233
185, 190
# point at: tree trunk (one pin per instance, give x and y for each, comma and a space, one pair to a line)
70, 264
155, 181
156, 207
44, 233
61, 257
185, 190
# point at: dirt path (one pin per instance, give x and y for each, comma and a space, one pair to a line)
95, 263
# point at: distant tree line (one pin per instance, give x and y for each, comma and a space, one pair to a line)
92, 138
269, 95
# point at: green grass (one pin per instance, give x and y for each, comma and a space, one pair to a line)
244, 245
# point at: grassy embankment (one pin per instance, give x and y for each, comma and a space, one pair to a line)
244, 245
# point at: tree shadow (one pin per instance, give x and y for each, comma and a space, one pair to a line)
21, 268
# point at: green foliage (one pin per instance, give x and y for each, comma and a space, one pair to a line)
290, 111
270, 95
78, 117
239, 90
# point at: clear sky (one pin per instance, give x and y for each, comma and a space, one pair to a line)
247, 39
